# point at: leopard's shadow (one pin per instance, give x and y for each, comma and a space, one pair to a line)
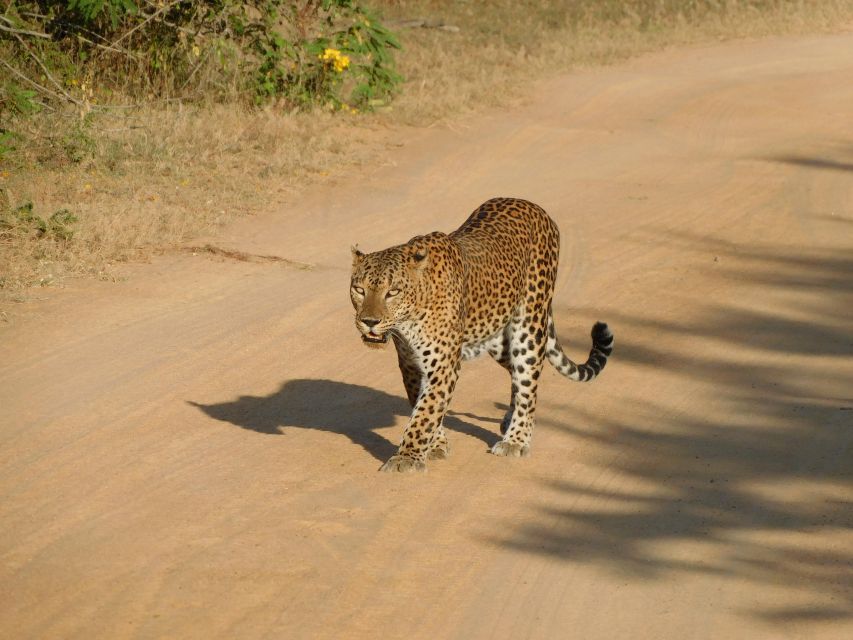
328, 405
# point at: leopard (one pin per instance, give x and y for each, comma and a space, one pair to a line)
442, 299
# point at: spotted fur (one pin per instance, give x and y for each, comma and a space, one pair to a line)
442, 299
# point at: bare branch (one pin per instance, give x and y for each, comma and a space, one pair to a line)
58, 86
28, 80
43, 105
23, 32
147, 20
126, 52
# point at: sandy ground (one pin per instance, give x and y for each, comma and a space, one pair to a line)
193, 453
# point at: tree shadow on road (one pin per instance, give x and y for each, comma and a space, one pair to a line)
839, 158
328, 405
816, 163
768, 491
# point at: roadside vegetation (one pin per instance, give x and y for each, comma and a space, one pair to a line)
128, 127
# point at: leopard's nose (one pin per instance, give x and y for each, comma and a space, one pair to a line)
370, 322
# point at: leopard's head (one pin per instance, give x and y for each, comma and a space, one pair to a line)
385, 289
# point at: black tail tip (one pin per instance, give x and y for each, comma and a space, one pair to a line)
601, 334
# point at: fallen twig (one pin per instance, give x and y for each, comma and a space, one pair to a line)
424, 23
242, 256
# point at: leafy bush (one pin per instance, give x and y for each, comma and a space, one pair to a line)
90, 52
347, 62
22, 220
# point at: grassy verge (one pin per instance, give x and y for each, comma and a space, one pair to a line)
147, 182
503, 45
122, 185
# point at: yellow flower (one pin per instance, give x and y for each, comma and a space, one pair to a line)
338, 61
196, 51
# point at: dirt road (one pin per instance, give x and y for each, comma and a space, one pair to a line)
192, 453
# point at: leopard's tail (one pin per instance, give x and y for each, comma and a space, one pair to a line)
602, 347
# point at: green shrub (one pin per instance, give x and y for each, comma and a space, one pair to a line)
22, 220
347, 63
91, 52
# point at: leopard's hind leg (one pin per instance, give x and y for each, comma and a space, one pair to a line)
527, 335
499, 349
526, 347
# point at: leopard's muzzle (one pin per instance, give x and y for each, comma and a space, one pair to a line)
369, 338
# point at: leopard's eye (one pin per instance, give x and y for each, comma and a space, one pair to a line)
391, 293
358, 290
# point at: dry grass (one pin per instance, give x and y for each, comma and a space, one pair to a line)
158, 178
503, 45
150, 180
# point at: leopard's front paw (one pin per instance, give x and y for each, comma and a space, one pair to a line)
511, 449
403, 464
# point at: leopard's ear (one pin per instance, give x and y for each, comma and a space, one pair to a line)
357, 256
418, 252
